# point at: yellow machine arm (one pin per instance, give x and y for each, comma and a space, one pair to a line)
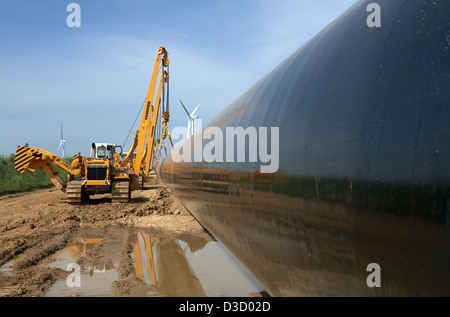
33, 159
146, 133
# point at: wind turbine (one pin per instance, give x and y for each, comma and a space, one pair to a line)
62, 142
191, 118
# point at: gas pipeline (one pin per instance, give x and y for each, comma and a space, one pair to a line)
340, 185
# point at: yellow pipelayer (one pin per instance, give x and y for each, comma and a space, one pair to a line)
105, 171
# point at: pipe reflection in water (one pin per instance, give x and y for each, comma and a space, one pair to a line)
364, 161
190, 267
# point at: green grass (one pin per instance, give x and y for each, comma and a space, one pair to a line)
11, 181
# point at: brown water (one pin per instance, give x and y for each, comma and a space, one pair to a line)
95, 280
187, 266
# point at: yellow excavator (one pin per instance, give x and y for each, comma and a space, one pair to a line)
108, 169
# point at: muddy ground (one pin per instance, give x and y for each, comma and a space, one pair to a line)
36, 225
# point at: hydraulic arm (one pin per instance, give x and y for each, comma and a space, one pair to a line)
33, 159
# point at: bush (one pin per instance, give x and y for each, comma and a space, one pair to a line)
11, 181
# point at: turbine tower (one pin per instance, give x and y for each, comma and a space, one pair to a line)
62, 143
191, 118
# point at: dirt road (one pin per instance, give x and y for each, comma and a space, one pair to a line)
35, 226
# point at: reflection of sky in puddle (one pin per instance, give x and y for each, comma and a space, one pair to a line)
6, 269
97, 283
218, 272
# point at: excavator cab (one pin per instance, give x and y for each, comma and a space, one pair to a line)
104, 150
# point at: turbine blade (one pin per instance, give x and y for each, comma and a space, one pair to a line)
194, 111
61, 132
187, 112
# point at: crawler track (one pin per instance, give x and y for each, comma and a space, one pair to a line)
74, 193
121, 192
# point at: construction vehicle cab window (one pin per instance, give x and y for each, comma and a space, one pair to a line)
102, 151
108, 169
105, 150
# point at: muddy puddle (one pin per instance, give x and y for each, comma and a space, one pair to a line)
95, 280
148, 265
6, 269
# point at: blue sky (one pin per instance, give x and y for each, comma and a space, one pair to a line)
93, 79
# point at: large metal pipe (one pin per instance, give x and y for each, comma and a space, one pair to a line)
364, 162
